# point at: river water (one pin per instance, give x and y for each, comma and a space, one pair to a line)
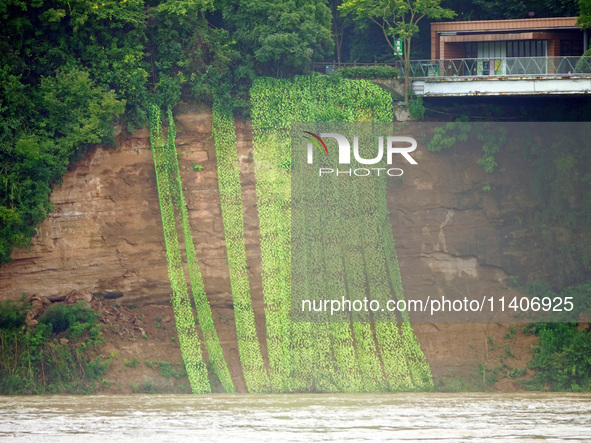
298, 418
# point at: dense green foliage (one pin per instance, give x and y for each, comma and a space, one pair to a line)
69, 70
33, 361
367, 72
501, 9
279, 38
39, 139
584, 13
13, 314
59, 318
399, 20
562, 358
416, 107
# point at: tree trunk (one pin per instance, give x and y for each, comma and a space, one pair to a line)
338, 28
406, 81
406, 60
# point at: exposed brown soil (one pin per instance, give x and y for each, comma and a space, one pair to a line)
147, 334
456, 352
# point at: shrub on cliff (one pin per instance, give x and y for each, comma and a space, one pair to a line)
33, 361
562, 358
13, 314
62, 317
368, 72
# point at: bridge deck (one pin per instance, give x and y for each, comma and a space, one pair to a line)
503, 85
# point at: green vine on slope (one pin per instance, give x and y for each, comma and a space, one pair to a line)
230, 188
185, 321
204, 315
492, 139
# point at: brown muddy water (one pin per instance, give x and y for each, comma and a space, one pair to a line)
298, 418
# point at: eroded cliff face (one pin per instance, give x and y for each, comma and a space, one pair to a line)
460, 230
456, 238
105, 236
105, 233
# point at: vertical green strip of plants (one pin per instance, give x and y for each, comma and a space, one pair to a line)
204, 315
313, 349
255, 375
404, 363
415, 358
270, 124
387, 333
305, 348
351, 238
345, 218
350, 101
185, 322
348, 376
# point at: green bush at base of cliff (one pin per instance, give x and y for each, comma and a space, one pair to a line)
33, 360
562, 358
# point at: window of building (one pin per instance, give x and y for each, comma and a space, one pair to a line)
571, 48
471, 50
527, 48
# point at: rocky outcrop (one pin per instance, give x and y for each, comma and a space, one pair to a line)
455, 236
105, 233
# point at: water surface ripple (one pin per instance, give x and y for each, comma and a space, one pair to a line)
298, 417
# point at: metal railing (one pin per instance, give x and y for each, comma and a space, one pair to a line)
477, 67
329, 67
506, 66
